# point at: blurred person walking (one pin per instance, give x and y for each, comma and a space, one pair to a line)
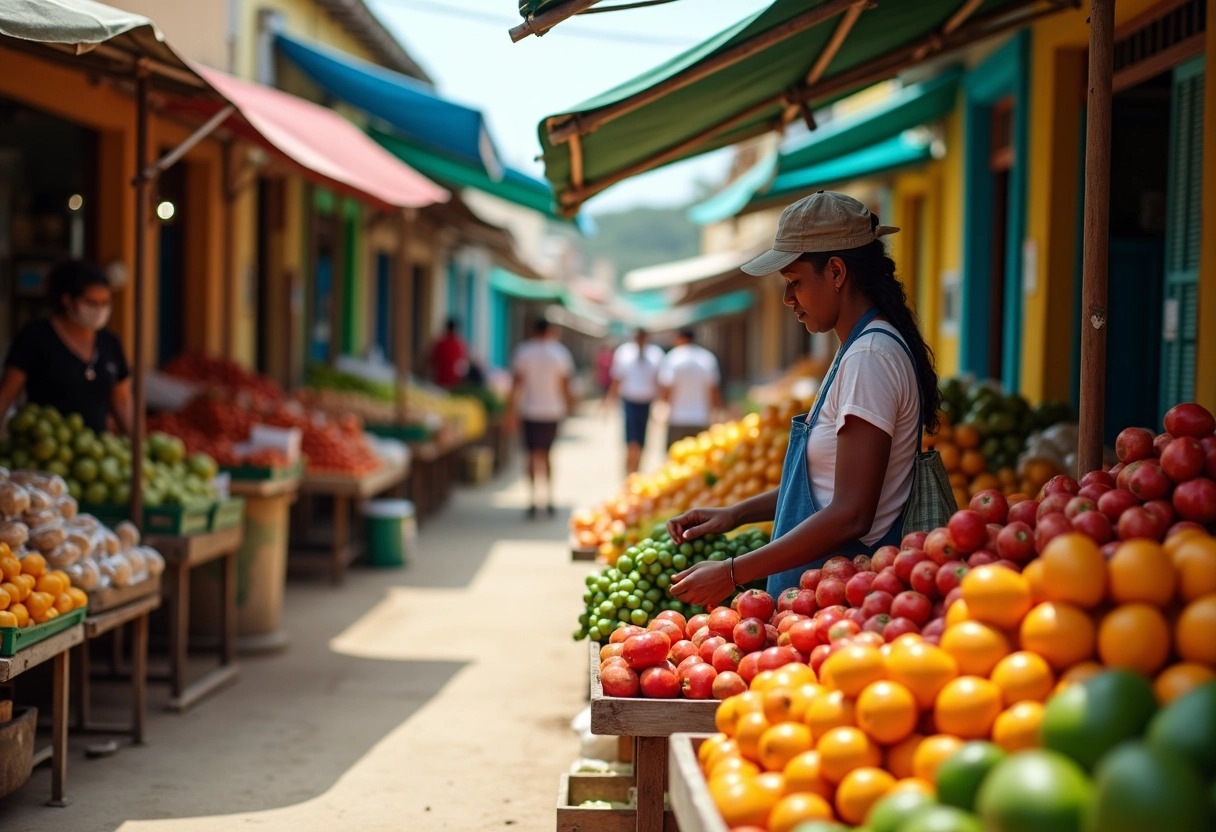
691, 385
449, 356
541, 398
635, 380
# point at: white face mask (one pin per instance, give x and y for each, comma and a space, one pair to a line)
93, 318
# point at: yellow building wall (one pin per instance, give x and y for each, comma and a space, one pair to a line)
301, 17
949, 220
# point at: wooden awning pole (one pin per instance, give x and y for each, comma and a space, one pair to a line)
1097, 235
139, 279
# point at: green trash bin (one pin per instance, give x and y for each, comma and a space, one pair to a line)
392, 531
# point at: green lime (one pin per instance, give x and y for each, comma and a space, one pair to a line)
1137, 787
887, 814
97, 493
1086, 721
1034, 791
941, 819
960, 775
85, 470
1187, 727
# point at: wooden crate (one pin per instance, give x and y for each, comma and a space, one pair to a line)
615, 716
690, 800
112, 597
574, 789
17, 749
582, 553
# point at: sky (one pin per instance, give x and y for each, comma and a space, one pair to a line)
464, 46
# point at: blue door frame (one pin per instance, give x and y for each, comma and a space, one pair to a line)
1005, 74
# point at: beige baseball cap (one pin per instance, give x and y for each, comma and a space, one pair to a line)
823, 221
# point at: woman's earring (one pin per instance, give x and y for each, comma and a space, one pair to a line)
838, 288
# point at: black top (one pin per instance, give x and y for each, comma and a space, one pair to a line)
56, 376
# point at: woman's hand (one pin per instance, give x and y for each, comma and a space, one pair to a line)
699, 522
705, 583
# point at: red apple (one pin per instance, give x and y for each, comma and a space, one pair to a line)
1184, 525
722, 622
858, 587
845, 628
1137, 522
924, 578
912, 605
888, 581
698, 638
750, 636
950, 576
771, 637
877, 602
839, 567
681, 650
1209, 453
1008, 564
1114, 503
777, 657
905, 561
1016, 542
933, 629
1050, 526
968, 529
756, 603
695, 623
710, 645
951, 596
1160, 442
940, 546
1164, 511
877, 624
1195, 500
1053, 503
883, 558
913, 540
981, 557
783, 626
1149, 482
824, 620
1062, 484
810, 579
683, 666
862, 562
1183, 459
1133, 444
994, 532
805, 604
785, 601
897, 627
991, 505
819, 655
869, 638
779, 617
855, 615
830, 592
1098, 478
749, 667
1027, 511
728, 684
804, 636
1094, 492
1189, 419
619, 681
734, 603
1114, 471
1079, 505
1094, 525
671, 629
728, 656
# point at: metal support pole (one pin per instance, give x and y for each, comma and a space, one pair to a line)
139, 278
1097, 235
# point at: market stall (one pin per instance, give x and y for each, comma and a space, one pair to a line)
262, 559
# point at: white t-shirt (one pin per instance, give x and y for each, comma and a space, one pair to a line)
877, 383
541, 365
637, 371
691, 372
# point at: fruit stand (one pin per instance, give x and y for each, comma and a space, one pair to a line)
98, 623
691, 802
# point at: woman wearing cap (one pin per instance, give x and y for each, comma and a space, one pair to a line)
848, 468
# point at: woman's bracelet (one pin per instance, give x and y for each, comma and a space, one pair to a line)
732, 574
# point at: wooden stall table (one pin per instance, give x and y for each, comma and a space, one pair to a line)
182, 556
127, 608
342, 548
650, 722
57, 647
433, 474
262, 578
691, 801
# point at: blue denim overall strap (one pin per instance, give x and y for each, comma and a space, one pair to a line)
795, 498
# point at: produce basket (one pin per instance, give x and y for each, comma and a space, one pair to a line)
576, 789
176, 520
227, 513
17, 749
274, 472
112, 597
691, 802
15, 639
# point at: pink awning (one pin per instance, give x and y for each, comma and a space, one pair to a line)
324, 143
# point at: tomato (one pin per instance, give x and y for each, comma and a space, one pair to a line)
621, 633
722, 622
659, 683
619, 681
646, 650
681, 650
698, 682
662, 625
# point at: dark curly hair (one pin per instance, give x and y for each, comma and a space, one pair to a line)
873, 272
72, 278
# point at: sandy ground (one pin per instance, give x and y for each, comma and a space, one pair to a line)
437, 696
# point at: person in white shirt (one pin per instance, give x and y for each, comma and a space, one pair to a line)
540, 399
690, 383
635, 380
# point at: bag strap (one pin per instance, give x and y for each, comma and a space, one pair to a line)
857, 332
920, 444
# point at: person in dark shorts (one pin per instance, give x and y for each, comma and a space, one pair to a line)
540, 398
70, 360
635, 379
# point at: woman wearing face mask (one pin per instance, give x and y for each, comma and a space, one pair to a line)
70, 360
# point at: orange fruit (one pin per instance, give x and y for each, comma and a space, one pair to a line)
49, 582
725, 764
712, 747
860, 789
951, 458
724, 717
26, 582
20, 613
1033, 573
1077, 674
842, 750
793, 810
10, 567
931, 753
967, 707
1178, 680
33, 564
1140, 570
14, 592
996, 596
975, 647
1195, 560
52, 613
789, 704
1137, 637
913, 784
802, 775
957, 613
831, 710
901, 755
1175, 541
1017, 728
1074, 571
762, 681
972, 463
1195, 632
5, 599
782, 743
967, 437
887, 712
64, 603
38, 603
794, 676
7, 619
1023, 677
744, 802
851, 669
751, 701
1060, 633
748, 731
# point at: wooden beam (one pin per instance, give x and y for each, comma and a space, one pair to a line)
825, 59
583, 123
538, 24
1094, 276
956, 20
576, 161
140, 278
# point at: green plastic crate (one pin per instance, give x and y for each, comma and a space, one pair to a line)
15, 639
227, 514
402, 433
179, 521
254, 472
109, 514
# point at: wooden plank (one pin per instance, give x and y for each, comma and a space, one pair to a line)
617, 716
112, 597
99, 623
264, 488
370, 485
574, 789
650, 770
690, 799
197, 549
13, 666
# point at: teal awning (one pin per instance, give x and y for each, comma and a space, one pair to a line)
755, 77
910, 107
512, 285
410, 106
513, 186
719, 307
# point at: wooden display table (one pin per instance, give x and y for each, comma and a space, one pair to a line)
340, 546
690, 799
433, 474
650, 722
262, 560
57, 647
135, 613
183, 555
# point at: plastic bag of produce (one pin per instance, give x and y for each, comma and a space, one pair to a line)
64, 555
127, 533
14, 533
84, 574
14, 499
66, 507
118, 569
153, 560
47, 537
81, 538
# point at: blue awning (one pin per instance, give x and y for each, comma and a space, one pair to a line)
410, 106
843, 138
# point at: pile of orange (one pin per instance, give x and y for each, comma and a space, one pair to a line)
959, 446
728, 463
32, 594
801, 746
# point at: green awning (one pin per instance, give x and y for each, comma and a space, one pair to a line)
512, 285
753, 78
731, 199
513, 186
